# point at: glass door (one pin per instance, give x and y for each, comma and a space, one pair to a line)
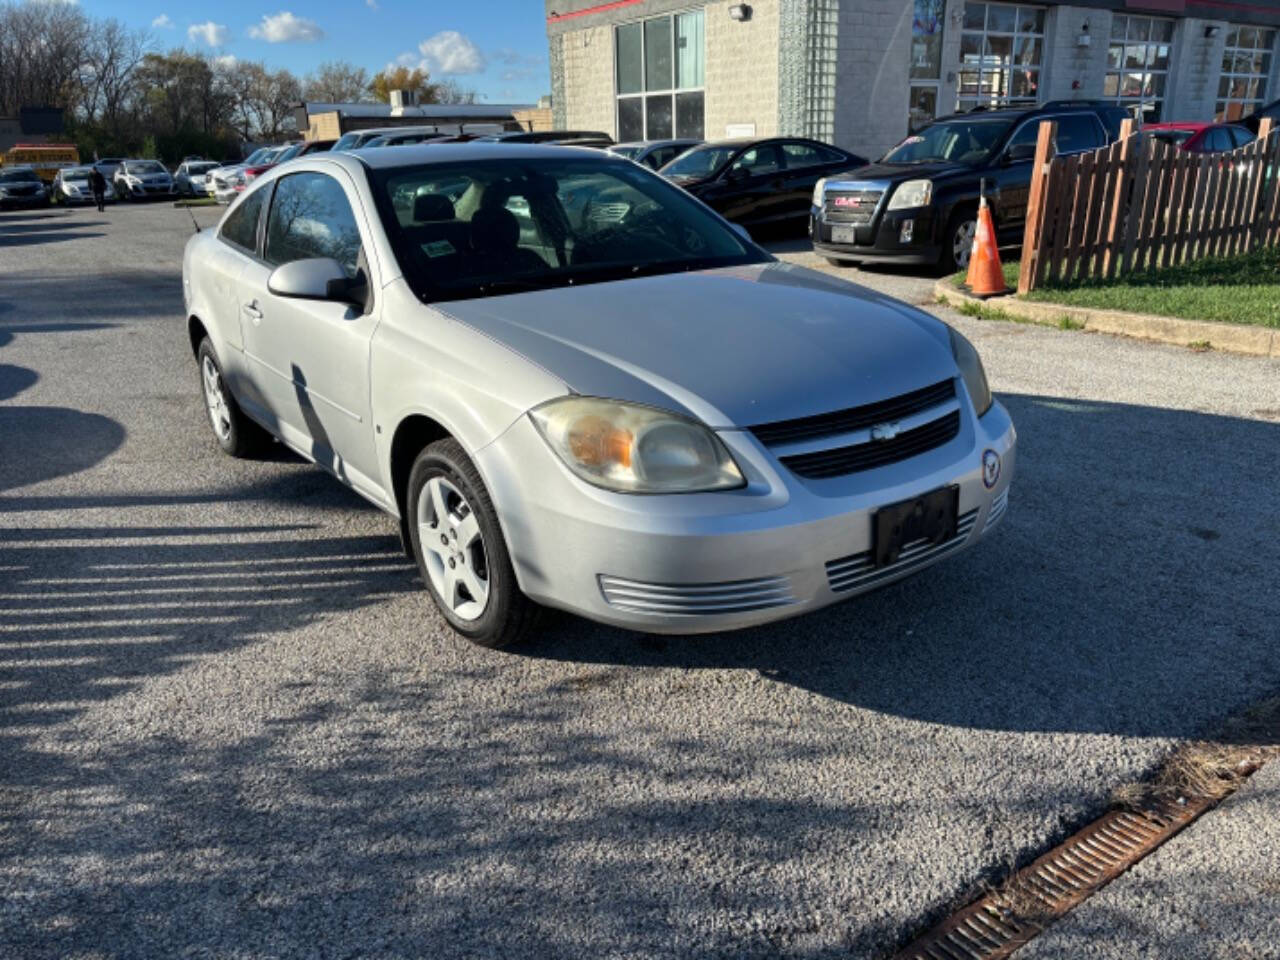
926, 61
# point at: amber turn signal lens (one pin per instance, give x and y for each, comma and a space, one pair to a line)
595, 442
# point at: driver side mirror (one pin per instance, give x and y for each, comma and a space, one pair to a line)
1019, 152
318, 278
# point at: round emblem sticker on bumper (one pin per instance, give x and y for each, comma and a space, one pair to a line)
990, 468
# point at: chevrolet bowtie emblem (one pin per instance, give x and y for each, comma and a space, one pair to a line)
884, 431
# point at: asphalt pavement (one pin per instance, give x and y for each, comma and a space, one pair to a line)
232, 725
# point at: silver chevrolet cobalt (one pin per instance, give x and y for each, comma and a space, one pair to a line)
576, 386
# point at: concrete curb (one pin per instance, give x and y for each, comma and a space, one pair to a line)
1231, 337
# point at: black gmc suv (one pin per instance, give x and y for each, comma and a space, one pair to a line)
919, 202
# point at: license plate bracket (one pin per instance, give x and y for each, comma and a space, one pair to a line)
930, 517
844, 234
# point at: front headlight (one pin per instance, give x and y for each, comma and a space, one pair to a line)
817, 191
975, 377
635, 449
913, 193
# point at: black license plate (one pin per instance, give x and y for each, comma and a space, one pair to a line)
930, 517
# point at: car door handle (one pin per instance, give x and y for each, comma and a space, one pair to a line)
251, 310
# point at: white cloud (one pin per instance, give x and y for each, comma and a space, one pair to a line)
371, 4
226, 61
210, 33
162, 22
450, 52
284, 27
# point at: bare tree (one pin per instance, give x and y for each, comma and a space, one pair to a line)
336, 81
111, 56
41, 52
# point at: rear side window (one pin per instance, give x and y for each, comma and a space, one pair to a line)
241, 226
1078, 132
1217, 140
311, 217
1242, 135
801, 155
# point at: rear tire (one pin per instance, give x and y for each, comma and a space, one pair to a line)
237, 435
461, 553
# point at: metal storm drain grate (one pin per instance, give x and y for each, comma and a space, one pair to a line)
1002, 921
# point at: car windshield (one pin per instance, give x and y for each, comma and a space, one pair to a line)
375, 142
1172, 136
144, 166
288, 153
483, 228
628, 152
259, 155
76, 173
968, 141
204, 167
699, 162
18, 176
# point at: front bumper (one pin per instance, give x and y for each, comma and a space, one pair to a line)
881, 239
29, 200
699, 563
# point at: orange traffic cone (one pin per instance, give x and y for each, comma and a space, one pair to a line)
986, 276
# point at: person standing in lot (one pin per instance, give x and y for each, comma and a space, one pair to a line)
98, 184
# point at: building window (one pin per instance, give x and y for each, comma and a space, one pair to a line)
1138, 63
1246, 65
926, 61
1001, 50
659, 74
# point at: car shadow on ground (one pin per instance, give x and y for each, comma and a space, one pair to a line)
1128, 591
1122, 596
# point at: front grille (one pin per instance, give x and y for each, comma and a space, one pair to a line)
696, 599
860, 572
877, 453
855, 418
859, 206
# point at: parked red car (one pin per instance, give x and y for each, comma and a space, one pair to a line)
1201, 137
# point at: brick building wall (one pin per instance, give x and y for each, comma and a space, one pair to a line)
587, 62
840, 69
742, 69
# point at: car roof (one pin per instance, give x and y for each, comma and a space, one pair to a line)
414, 155
1181, 125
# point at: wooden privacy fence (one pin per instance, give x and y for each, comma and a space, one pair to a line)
1141, 203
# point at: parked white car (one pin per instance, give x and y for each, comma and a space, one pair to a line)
192, 178
141, 179
71, 186
646, 420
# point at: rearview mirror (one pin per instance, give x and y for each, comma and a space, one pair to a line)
1019, 152
318, 278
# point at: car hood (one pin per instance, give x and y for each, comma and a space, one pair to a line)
899, 172
733, 347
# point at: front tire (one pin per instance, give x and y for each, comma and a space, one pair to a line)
236, 434
461, 553
957, 242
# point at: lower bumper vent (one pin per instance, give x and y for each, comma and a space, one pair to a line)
859, 571
696, 599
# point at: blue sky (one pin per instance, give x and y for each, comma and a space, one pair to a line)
496, 47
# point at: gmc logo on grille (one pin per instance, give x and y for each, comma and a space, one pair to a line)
848, 201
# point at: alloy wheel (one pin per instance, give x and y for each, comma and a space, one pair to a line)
962, 242
216, 399
453, 548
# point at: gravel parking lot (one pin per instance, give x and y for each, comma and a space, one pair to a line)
232, 724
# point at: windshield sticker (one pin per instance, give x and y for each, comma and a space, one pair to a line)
438, 248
